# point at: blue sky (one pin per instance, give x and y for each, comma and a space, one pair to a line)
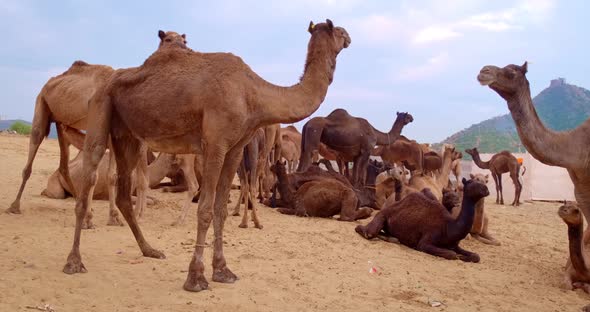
415, 56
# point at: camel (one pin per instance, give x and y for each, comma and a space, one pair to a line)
184, 102
290, 153
322, 197
254, 159
577, 272
403, 149
566, 149
479, 230
456, 167
500, 163
440, 179
421, 222
64, 100
352, 137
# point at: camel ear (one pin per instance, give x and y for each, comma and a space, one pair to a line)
285, 163
161, 34
472, 175
330, 24
183, 36
525, 67
464, 181
397, 113
311, 26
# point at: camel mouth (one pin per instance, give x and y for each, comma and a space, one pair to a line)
485, 79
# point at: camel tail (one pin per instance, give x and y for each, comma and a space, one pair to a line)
246, 161
523, 170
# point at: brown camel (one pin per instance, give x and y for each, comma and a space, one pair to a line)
292, 137
352, 137
479, 230
500, 163
322, 197
440, 179
421, 222
64, 100
566, 149
180, 101
403, 149
254, 159
456, 167
290, 154
577, 272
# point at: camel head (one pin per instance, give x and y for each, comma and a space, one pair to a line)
450, 198
457, 155
507, 81
279, 168
472, 151
570, 213
336, 37
406, 118
171, 39
474, 189
480, 177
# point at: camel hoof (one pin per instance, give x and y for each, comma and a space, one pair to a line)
258, 226
586, 308
224, 276
115, 221
361, 230
195, 284
177, 223
153, 253
74, 266
14, 208
243, 225
471, 258
88, 225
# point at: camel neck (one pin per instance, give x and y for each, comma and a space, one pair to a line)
283, 188
549, 147
575, 233
158, 169
460, 227
291, 104
442, 178
392, 135
481, 164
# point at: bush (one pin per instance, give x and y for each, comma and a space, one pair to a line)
21, 127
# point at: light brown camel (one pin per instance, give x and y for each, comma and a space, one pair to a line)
479, 230
352, 137
403, 149
64, 100
290, 154
181, 101
254, 159
456, 167
435, 183
500, 163
566, 149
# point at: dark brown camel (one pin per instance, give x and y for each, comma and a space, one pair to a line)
578, 273
352, 137
421, 222
500, 163
185, 102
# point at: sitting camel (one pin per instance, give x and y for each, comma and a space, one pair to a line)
577, 273
64, 100
479, 230
421, 222
324, 197
501, 162
352, 137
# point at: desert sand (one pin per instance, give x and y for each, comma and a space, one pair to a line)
293, 264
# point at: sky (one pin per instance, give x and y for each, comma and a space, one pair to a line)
416, 56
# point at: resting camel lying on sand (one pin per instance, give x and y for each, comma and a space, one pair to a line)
421, 222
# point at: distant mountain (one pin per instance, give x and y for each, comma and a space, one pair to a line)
561, 106
5, 124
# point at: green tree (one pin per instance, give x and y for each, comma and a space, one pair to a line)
21, 127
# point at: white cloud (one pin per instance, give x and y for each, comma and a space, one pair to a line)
435, 33
433, 66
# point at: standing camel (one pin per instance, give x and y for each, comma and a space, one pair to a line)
500, 163
64, 100
352, 137
180, 101
566, 149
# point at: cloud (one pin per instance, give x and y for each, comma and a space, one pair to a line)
377, 28
433, 66
435, 33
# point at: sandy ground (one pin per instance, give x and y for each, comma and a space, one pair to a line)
293, 264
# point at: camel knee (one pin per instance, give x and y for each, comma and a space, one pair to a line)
205, 216
27, 172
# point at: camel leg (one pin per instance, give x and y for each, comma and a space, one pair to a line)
244, 195
465, 255
310, 142
373, 228
517, 188
500, 187
485, 236
188, 169
241, 198
40, 129
250, 201
128, 152
497, 188
112, 188
64, 159
141, 175
349, 212
94, 148
426, 246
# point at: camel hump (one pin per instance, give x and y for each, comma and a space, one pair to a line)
79, 63
339, 113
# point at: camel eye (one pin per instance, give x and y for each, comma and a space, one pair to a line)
168, 40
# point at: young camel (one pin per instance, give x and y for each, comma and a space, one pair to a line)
64, 100
500, 163
180, 101
402, 150
566, 149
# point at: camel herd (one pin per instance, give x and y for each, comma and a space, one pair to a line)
208, 117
